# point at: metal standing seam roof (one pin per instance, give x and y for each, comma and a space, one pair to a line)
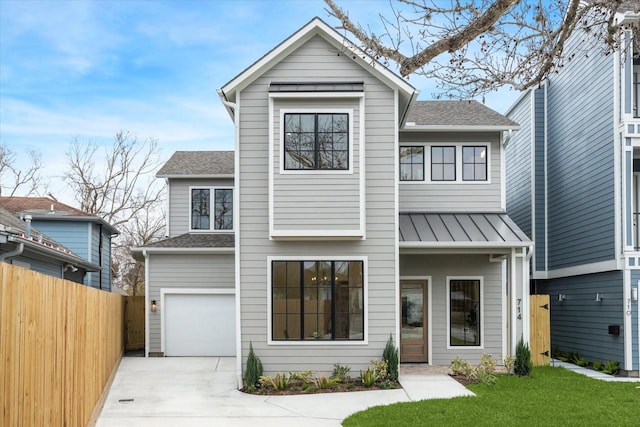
460, 230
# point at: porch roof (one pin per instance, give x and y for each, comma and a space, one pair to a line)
460, 230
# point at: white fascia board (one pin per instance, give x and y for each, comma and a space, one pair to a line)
196, 176
317, 234
596, 267
315, 27
151, 250
458, 128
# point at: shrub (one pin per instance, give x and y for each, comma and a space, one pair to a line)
482, 376
390, 355
280, 381
265, 381
368, 377
508, 363
611, 367
341, 372
580, 360
253, 371
487, 363
304, 377
598, 365
380, 369
323, 382
460, 366
523, 364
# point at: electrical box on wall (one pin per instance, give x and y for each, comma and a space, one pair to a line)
614, 329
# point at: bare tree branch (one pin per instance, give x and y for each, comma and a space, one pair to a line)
471, 47
15, 181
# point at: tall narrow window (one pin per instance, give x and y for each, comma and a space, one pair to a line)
474, 163
317, 300
411, 163
201, 204
464, 312
223, 209
200, 209
443, 163
316, 141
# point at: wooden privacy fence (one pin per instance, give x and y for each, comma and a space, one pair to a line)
59, 344
134, 322
540, 338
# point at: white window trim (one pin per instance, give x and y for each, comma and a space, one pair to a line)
283, 111
365, 284
481, 314
190, 291
211, 189
458, 146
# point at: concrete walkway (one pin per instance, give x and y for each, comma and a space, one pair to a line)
592, 373
199, 391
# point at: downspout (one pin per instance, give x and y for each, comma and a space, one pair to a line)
529, 253
507, 139
16, 252
145, 254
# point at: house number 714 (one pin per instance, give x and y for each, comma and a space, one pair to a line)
519, 310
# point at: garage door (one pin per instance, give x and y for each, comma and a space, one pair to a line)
199, 325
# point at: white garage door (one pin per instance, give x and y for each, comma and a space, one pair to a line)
199, 325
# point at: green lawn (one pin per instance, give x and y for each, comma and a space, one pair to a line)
550, 397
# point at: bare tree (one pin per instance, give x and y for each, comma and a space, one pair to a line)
471, 47
14, 181
117, 184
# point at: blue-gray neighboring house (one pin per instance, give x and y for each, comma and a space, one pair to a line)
573, 185
25, 246
87, 235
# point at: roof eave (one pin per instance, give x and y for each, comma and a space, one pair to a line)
458, 128
55, 254
175, 250
49, 217
194, 176
463, 245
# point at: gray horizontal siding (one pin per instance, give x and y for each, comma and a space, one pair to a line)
581, 161
316, 61
180, 201
519, 167
72, 235
441, 266
540, 187
455, 197
580, 323
184, 271
635, 344
44, 267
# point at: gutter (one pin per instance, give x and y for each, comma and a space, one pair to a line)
16, 252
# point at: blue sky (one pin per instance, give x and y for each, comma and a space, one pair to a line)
87, 69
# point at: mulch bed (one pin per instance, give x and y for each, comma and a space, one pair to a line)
353, 385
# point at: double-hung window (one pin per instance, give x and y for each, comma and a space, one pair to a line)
317, 300
412, 163
316, 141
211, 209
464, 312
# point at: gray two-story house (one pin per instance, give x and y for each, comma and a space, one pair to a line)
573, 185
359, 213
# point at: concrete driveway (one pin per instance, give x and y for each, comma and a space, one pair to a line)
201, 391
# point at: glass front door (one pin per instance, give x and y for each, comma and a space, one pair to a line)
413, 330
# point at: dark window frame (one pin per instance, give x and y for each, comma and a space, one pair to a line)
300, 288
443, 163
412, 163
316, 152
467, 311
211, 213
474, 163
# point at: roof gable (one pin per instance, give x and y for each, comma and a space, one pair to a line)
316, 27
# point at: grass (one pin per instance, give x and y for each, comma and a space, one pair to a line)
551, 396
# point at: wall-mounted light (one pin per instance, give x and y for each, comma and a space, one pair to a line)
634, 294
154, 306
599, 297
561, 297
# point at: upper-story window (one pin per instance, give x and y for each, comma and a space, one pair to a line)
211, 209
474, 163
444, 163
314, 141
412, 163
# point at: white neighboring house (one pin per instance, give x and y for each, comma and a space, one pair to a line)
359, 213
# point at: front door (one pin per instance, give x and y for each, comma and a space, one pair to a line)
413, 330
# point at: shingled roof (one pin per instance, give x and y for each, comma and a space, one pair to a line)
449, 114
197, 240
201, 164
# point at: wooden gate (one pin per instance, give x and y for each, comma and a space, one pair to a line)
540, 338
134, 322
